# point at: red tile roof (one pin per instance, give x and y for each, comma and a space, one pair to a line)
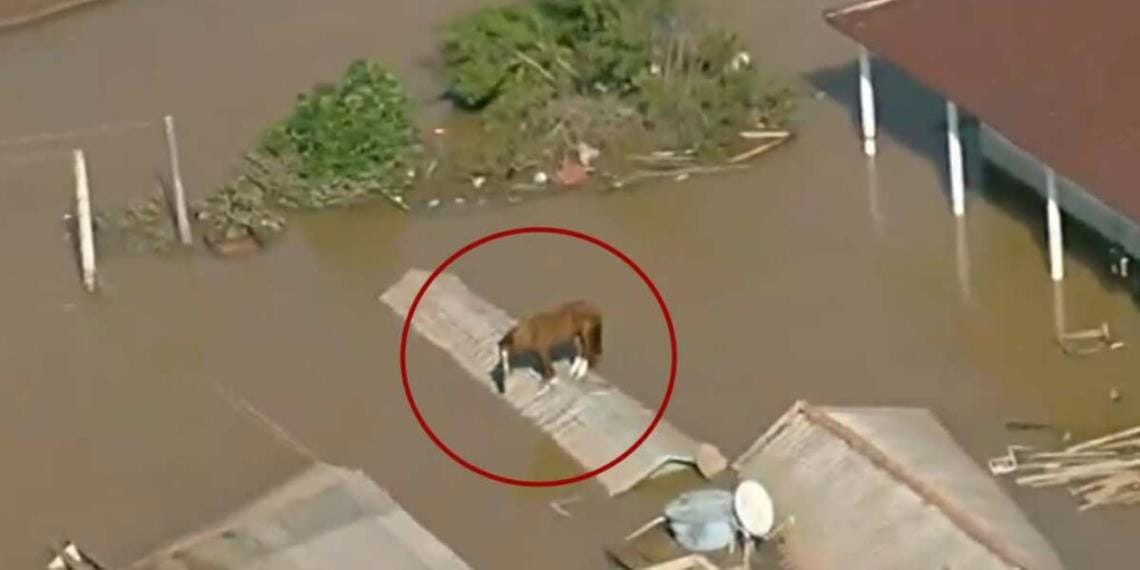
1059, 78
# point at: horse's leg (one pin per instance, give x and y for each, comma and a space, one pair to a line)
546, 366
505, 361
580, 365
592, 338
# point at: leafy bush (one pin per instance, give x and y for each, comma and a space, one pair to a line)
343, 141
702, 96
523, 67
486, 53
611, 38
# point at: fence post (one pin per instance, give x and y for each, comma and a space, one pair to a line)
83, 213
176, 177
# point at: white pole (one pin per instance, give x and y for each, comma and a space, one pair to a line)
83, 212
176, 176
1053, 218
867, 102
954, 145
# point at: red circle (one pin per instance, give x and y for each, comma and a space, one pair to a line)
538, 230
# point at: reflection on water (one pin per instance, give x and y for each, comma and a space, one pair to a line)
962, 249
873, 196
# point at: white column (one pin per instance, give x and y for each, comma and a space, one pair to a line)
954, 147
83, 215
867, 102
1053, 218
183, 218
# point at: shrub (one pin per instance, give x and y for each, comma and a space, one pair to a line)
343, 142
526, 70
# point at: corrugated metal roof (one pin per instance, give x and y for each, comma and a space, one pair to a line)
592, 420
327, 517
886, 489
1057, 77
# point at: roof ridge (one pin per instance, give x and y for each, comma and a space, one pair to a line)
963, 520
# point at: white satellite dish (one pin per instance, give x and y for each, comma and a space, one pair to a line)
754, 508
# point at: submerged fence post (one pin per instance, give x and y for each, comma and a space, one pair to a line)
83, 213
1053, 222
176, 177
954, 147
867, 102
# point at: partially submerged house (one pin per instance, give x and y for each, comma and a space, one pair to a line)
1051, 84
877, 488
326, 517
593, 421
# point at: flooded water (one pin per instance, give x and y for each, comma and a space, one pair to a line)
809, 277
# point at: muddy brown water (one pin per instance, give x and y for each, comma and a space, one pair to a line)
800, 279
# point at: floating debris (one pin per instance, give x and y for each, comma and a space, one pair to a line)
1093, 341
559, 506
571, 173
697, 524
741, 60
1102, 471
587, 154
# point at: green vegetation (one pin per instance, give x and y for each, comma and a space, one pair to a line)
569, 90
343, 143
546, 75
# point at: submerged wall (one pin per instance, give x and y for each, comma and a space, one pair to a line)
1071, 198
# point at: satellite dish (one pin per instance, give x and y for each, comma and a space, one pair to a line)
754, 508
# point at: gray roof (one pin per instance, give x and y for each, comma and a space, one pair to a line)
327, 517
884, 489
592, 421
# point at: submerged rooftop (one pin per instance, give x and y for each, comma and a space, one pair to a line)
1056, 77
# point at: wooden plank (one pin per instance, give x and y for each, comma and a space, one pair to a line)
591, 420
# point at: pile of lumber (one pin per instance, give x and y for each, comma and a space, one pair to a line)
1102, 471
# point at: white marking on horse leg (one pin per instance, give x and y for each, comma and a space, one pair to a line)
581, 366
505, 358
575, 366
73, 552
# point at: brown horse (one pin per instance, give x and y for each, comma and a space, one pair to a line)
579, 322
